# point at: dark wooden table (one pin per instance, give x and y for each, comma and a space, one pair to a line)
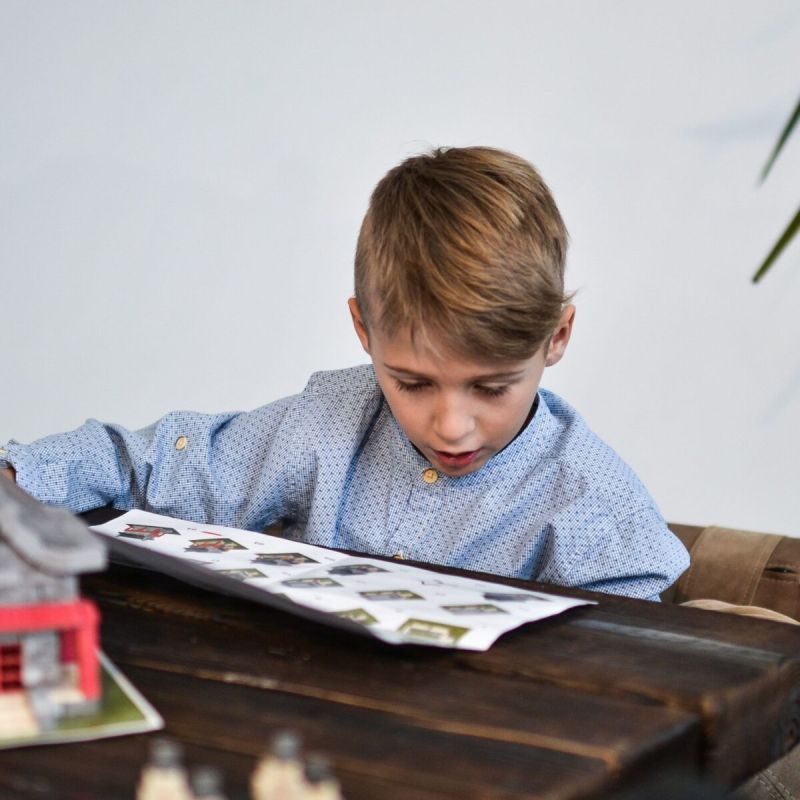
598, 698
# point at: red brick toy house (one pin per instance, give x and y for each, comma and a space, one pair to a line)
48, 633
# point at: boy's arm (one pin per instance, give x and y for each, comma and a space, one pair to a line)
94, 465
635, 555
200, 466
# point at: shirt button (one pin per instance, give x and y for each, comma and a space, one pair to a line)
181, 442
430, 476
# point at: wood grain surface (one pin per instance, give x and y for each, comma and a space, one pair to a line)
596, 699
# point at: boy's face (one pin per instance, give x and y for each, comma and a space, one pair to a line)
457, 412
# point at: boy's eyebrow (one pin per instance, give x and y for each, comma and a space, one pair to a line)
487, 377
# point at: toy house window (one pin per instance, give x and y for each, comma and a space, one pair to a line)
10, 667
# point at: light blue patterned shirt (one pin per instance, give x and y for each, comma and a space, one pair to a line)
557, 504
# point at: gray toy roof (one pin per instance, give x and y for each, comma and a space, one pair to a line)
49, 539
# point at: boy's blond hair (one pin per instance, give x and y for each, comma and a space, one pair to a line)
463, 247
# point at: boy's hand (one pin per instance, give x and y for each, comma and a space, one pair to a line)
8, 473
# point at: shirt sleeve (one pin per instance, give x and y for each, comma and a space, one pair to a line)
636, 555
219, 468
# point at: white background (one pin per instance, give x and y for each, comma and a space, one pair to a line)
181, 185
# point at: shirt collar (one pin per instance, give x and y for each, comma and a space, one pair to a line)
529, 446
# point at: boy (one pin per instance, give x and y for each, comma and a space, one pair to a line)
444, 449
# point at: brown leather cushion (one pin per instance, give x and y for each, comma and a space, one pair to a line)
741, 567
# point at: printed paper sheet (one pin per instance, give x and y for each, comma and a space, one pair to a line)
386, 599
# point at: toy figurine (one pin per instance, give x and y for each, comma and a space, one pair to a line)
164, 777
320, 782
207, 784
279, 774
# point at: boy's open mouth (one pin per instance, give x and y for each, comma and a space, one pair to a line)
457, 459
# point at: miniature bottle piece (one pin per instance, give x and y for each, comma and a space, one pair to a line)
207, 784
320, 782
279, 773
164, 777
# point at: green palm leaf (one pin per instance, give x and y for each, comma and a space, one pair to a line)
794, 225
779, 247
792, 121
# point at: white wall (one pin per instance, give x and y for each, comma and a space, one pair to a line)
181, 185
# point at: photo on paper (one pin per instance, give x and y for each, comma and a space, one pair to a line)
305, 583
283, 559
516, 597
146, 533
356, 569
430, 631
475, 608
213, 546
357, 615
391, 594
242, 574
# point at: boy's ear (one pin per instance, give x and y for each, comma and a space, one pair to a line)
358, 324
560, 338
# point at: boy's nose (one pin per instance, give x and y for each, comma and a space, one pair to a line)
453, 422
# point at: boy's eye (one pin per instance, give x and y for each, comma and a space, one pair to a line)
492, 391
411, 386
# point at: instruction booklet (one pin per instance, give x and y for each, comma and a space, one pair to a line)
392, 601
